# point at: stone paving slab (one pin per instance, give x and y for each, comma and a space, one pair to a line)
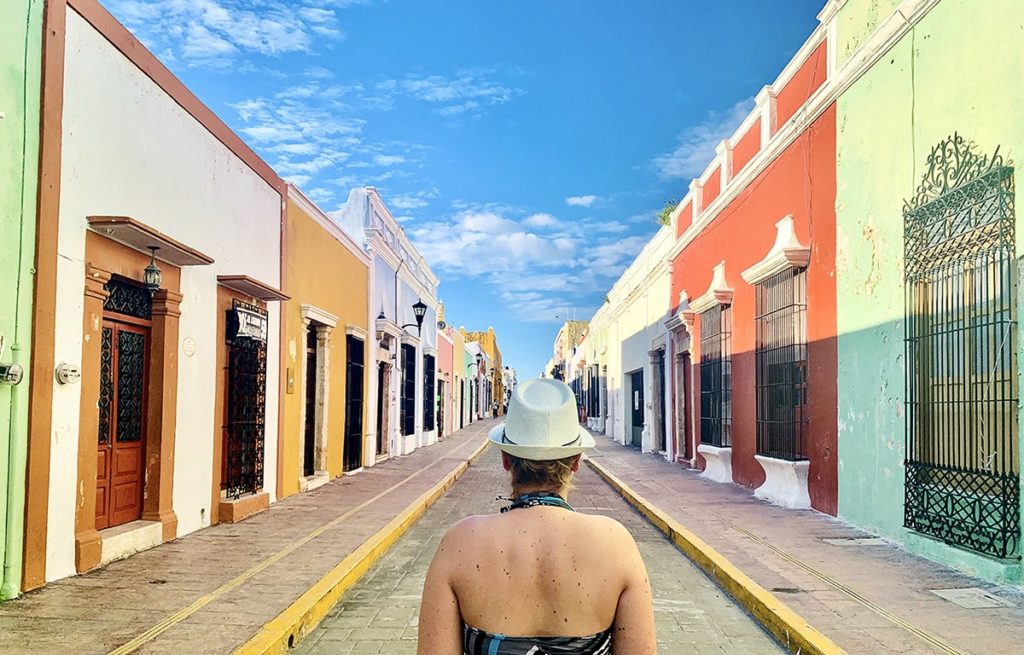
101, 610
380, 614
893, 585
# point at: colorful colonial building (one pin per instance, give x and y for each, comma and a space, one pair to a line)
927, 267
20, 71
157, 322
326, 349
403, 352
753, 292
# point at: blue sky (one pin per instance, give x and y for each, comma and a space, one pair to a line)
526, 145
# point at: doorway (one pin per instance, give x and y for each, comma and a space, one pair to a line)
637, 414
658, 413
383, 407
124, 363
309, 436
353, 458
684, 448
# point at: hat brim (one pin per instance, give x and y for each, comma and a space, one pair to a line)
541, 453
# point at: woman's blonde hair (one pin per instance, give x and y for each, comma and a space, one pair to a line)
554, 473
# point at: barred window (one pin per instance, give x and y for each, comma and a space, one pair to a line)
716, 376
781, 362
962, 445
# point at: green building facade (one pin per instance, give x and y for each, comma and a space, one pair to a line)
930, 141
20, 68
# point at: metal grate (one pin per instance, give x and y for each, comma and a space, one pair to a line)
128, 298
781, 361
246, 412
407, 406
429, 393
105, 401
716, 376
962, 444
131, 384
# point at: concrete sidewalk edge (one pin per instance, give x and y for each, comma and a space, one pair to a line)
791, 629
308, 610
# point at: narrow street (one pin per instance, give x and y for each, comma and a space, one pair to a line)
379, 615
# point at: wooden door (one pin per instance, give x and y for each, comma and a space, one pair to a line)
122, 423
352, 458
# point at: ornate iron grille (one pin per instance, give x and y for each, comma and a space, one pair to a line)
781, 362
429, 393
962, 444
246, 412
106, 383
407, 420
716, 377
131, 382
128, 298
354, 376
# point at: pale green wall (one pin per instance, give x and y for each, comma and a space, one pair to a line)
856, 22
958, 70
20, 62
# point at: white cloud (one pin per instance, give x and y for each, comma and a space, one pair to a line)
413, 200
465, 92
696, 147
580, 201
388, 160
214, 33
542, 220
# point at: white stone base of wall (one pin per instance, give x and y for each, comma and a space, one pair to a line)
128, 539
785, 482
717, 463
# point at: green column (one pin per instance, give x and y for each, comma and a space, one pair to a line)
20, 67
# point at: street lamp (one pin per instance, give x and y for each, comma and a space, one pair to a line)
419, 310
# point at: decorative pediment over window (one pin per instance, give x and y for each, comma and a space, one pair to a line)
952, 163
719, 293
786, 253
683, 314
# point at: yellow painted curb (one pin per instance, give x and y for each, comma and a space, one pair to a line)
791, 629
302, 616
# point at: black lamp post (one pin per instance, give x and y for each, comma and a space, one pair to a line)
151, 274
419, 310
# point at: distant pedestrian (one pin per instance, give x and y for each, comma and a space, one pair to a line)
494, 409
538, 577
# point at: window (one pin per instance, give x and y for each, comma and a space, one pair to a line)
429, 393
407, 405
962, 446
781, 363
716, 376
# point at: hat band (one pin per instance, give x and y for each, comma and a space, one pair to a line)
505, 439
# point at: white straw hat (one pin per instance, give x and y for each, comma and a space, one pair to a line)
542, 423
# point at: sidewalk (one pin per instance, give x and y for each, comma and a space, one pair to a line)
209, 591
868, 597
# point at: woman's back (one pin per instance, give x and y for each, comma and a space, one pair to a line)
542, 571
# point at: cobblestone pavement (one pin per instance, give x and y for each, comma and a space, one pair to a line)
98, 611
380, 613
901, 613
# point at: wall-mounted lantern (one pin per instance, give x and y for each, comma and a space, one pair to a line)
419, 310
151, 276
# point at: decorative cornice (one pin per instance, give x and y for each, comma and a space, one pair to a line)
355, 331
718, 293
311, 313
786, 253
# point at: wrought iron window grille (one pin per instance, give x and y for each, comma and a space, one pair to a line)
962, 441
781, 365
246, 412
716, 376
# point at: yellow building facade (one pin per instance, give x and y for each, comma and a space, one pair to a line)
489, 344
326, 380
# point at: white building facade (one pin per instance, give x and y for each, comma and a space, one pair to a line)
403, 360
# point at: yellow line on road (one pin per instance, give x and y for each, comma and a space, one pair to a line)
791, 629
300, 618
203, 601
909, 627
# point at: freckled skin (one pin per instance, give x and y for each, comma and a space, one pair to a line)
538, 572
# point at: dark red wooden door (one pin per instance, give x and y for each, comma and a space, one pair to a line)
122, 423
